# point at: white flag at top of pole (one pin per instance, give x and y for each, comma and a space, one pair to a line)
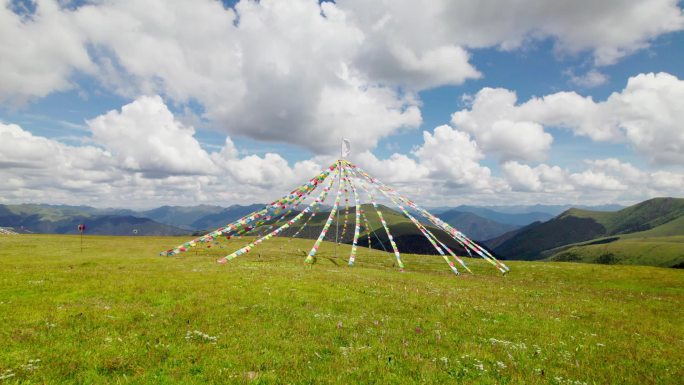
346, 148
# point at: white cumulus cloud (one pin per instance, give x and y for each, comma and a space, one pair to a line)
270, 70
302, 71
593, 78
39, 53
608, 29
146, 137
601, 180
647, 114
492, 119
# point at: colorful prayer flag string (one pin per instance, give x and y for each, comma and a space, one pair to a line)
384, 225
245, 222
350, 177
423, 230
275, 232
357, 224
310, 258
455, 234
346, 206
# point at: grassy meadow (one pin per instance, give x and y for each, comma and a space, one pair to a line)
118, 313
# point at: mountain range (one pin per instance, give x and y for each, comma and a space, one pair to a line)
651, 232
165, 220
65, 219
175, 220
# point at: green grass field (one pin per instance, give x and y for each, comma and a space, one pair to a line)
118, 313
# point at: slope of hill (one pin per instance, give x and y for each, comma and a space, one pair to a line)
643, 220
475, 226
673, 227
655, 251
528, 244
660, 246
642, 216
493, 243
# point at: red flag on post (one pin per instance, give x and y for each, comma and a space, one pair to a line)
81, 229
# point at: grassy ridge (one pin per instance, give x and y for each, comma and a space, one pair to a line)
658, 251
674, 227
660, 246
117, 313
635, 232
642, 216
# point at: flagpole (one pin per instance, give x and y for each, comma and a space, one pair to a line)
339, 181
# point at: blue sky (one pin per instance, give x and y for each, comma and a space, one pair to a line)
198, 102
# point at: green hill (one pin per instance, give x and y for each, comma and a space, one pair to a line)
673, 227
562, 230
623, 236
640, 217
655, 251
660, 246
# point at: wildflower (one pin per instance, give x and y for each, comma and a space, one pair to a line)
198, 335
31, 365
6, 374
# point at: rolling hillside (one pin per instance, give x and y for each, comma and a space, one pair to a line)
643, 216
660, 246
655, 251
636, 234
